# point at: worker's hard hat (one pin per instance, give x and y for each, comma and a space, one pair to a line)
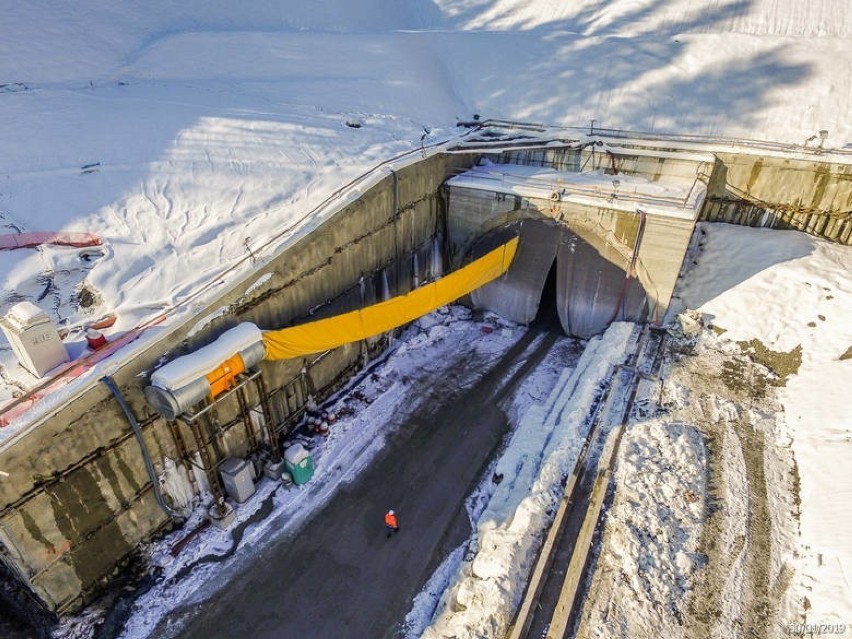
390, 512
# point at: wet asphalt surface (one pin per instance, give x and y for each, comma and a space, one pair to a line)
341, 577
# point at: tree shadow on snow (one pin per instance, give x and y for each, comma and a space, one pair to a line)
624, 70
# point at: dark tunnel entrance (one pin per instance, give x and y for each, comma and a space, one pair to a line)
548, 309
557, 275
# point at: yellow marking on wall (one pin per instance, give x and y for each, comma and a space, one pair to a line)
325, 334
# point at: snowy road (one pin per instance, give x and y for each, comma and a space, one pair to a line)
341, 577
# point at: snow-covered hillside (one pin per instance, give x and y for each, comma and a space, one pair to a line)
188, 135
794, 296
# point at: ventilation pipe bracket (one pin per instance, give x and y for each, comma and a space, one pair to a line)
242, 380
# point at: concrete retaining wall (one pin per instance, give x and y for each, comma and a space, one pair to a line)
806, 195
78, 500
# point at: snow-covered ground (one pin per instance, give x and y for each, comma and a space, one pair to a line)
733, 483
793, 292
191, 135
196, 138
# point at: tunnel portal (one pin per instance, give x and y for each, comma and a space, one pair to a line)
592, 289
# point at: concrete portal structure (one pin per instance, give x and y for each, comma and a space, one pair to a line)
616, 241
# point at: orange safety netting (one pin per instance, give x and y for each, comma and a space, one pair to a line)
332, 332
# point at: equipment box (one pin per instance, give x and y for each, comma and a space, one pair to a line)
237, 477
33, 338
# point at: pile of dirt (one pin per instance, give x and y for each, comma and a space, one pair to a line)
780, 363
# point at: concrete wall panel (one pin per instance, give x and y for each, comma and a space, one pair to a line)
473, 213
78, 499
808, 195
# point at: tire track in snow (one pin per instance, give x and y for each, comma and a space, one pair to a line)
732, 596
760, 615
716, 598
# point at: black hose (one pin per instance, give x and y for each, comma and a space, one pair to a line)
131, 419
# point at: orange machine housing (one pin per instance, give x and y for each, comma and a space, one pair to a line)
223, 377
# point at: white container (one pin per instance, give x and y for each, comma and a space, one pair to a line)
296, 454
237, 478
33, 338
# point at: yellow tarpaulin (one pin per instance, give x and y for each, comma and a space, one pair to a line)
332, 332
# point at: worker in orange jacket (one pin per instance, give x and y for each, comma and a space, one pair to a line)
391, 523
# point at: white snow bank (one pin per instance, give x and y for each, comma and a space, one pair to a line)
541, 452
652, 527
789, 290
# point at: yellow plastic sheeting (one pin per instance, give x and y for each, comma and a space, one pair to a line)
332, 332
